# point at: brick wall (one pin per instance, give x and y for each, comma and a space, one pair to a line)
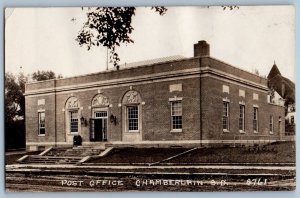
199, 95
31, 118
156, 111
229, 69
212, 110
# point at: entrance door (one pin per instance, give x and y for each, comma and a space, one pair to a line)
98, 126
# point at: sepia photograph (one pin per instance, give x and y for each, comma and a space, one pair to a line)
173, 99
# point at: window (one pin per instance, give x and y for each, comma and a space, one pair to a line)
242, 118
133, 118
271, 124
255, 119
73, 121
176, 115
101, 114
292, 120
42, 130
225, 116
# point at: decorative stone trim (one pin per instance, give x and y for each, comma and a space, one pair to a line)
100, 100
175, 98
225, 89
226, 100
242, 103
242, 93
255, 96
180, 74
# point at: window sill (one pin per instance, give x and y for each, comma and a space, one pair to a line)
73, 133
132, 131
255, 131
41, 135
271, 132
242, 131
176, 131
225, 131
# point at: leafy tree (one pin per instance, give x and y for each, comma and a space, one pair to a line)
109, 27
14, 99
15, 106
44, 75
14, 111
14, 93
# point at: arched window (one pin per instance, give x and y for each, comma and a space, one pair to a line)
72, 115
132, 103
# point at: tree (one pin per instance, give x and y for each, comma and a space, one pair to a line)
14, 93
14, 99
15, 106
44, 75
109, 27
14, 111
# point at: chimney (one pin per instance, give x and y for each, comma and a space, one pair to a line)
201, 48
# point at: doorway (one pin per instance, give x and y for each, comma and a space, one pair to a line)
99, 126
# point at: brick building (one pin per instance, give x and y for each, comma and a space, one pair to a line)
175, 101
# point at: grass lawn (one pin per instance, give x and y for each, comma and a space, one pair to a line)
138, 155
11, 159
280, 152
283, 152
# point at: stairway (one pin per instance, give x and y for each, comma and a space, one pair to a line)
57, 151
38, 159
82, 151
63, 155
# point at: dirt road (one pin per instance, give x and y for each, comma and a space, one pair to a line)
85, 181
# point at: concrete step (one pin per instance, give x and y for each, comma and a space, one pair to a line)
82, 152
56, 152
52, 160
64, 155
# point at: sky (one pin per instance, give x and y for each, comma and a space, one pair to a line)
251, 37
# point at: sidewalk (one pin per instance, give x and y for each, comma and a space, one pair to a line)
7, 153
130, 167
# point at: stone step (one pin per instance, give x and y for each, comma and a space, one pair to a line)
52, 160
65, 155
57, 152
52, 157
82, 152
